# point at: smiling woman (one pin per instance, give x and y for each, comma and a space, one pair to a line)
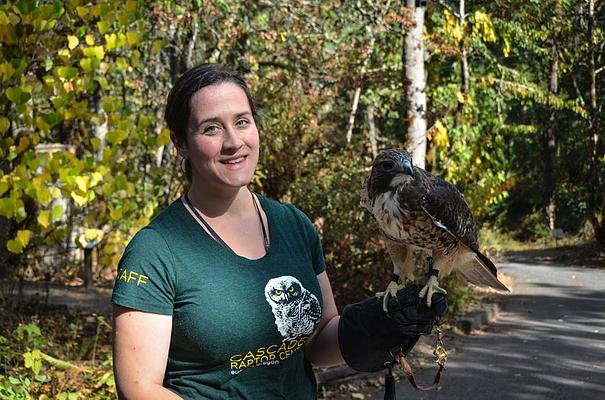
236, 301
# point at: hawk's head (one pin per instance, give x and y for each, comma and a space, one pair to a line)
390, 169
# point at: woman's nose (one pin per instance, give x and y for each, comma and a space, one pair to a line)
232, 139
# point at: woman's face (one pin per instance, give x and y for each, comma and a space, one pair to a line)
222, 138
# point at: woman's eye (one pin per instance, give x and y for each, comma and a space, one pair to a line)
211, 129
242, 122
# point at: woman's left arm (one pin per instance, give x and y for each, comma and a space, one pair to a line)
322, 349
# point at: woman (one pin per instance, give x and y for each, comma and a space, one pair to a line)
224, 294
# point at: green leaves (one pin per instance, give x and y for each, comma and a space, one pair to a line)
16, 95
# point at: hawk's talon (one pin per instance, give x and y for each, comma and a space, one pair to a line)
431, 287
390, 291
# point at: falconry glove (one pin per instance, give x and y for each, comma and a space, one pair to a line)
369, 338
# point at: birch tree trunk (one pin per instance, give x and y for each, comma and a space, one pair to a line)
596, 206
549, 144
464, 73
415, 84
372, 130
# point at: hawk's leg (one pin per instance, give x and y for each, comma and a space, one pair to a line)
391, 291
432, 286
403, 268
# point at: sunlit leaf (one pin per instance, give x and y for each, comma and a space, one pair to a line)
57, 212
44, 218
14, 246
72, 42
16, 95
80, 199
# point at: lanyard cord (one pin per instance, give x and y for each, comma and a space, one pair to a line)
215, 235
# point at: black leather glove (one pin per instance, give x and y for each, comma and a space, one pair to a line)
368, 338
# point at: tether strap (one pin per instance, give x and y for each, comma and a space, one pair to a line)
407, 370
262, 224
215, 235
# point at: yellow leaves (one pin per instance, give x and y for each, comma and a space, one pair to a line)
441, 138
164, 137
3, 185
44, 196
79, 198
44, 218
103, 27
82, 183
89, 39
86, 65
6, 71
72, 42
116, 136
115, 214
133, 38
96, 143
97, 52
111, 41
82, 11
89, 236
452, 28
20, 242
483, 27
4, 124
95, 179
462, 98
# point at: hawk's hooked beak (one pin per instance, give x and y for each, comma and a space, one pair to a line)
406, 167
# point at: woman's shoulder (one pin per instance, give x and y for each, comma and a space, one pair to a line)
287, 214
281, 210
161, 227
169, 218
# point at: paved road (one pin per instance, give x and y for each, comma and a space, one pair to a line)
548, 342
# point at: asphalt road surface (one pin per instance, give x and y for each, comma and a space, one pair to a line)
548, 342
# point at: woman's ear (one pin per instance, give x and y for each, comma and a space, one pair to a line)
180, 145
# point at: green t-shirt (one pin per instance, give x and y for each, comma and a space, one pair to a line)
238, 325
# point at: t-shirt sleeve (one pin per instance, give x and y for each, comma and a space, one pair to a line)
313, 241
146, 279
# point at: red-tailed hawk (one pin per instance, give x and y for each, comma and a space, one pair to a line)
415, 209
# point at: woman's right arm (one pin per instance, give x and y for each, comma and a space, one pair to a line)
140, 352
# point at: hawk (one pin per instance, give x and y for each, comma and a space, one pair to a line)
415, 209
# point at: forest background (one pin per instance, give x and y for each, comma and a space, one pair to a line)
514, 118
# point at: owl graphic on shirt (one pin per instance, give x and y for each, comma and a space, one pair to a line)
297, 311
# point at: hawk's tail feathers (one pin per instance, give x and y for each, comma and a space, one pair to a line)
483, 274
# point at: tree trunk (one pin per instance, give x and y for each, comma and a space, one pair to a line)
415, 84
357, 94
372, 130
596, 206
549, 147
464, 73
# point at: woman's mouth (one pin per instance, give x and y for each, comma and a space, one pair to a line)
234, 163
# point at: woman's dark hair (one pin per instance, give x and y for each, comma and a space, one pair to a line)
179, 99
178, 104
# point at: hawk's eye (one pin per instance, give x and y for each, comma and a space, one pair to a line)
278, 292
291, 289
388, 165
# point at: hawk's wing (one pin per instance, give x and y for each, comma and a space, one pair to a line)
446, 206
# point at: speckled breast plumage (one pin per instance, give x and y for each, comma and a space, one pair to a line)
412, 227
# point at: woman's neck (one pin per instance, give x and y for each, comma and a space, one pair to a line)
214, 204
